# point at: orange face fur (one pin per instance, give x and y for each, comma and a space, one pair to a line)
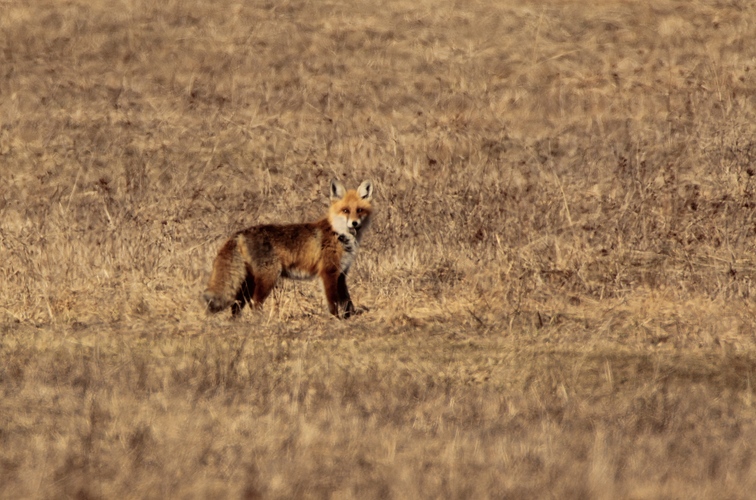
350, 210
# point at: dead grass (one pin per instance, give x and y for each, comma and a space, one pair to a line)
558, 285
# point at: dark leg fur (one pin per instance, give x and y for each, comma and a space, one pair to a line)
243, 296
337, 295
331, 287
345, 302
263, 287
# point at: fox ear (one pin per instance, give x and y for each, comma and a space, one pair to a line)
337, 189
365, 190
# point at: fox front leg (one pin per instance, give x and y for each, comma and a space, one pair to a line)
337, 295
345, 302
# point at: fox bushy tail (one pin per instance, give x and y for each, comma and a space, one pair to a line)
229, 272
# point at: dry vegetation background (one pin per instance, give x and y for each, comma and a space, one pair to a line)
558, 283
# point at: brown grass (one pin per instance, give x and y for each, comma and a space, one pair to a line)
558, 284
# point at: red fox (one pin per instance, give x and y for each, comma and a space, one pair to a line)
249, 264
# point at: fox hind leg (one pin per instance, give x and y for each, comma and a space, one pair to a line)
264, 283
244, 295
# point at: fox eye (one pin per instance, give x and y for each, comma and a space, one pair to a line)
346, 210
359, 210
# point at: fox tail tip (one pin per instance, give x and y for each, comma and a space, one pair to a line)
214, 302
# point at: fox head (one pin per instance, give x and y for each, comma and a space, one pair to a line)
350, 210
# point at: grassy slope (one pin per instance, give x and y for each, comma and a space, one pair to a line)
557, 284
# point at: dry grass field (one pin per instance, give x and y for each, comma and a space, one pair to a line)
558, 291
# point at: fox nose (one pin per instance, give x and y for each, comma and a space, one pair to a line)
355, 223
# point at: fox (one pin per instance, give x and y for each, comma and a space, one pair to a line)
251, 261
